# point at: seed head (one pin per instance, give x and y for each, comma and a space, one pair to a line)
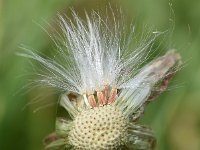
105, 87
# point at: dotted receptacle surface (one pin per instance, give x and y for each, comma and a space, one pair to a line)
101, 128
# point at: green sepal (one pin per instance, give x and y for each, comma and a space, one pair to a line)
59, 144
140, 138
63, 127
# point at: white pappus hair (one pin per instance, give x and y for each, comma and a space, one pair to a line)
92, 55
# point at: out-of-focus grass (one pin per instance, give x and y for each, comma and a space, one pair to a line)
175, 116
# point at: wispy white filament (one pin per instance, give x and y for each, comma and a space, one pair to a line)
92, 54
138, 89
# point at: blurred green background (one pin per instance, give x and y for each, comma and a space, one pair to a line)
174, 116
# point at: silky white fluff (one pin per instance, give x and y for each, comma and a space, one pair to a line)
91, 54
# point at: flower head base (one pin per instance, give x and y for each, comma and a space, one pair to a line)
99, 128
105, 86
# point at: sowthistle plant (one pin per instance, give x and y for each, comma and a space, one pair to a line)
106, 84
